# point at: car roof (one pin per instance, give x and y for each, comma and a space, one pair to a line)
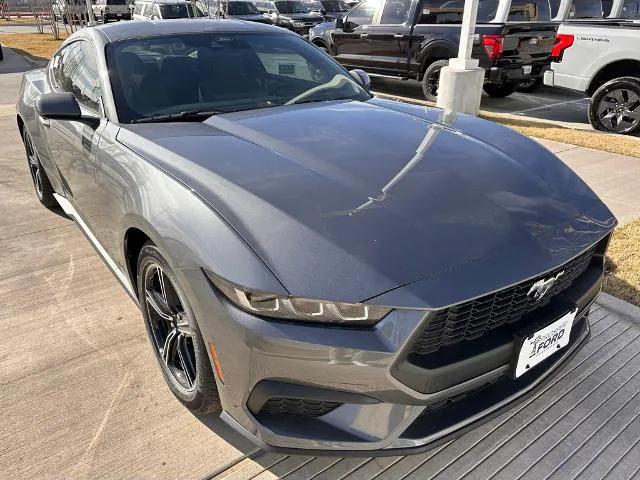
137, 29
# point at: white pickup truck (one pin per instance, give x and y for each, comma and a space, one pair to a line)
601, 59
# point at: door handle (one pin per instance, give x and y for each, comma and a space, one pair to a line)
398, 36
364, 35
44, 121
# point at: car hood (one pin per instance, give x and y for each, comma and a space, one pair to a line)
253, 17
302, 17
349, 200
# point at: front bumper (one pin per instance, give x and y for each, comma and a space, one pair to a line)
312, 390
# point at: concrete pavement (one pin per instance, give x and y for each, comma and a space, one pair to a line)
82, 397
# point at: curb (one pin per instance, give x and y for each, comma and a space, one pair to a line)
625, 309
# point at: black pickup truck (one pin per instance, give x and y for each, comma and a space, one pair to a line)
415, 39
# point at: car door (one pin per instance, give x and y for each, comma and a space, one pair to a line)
351, 43
390, 39
72, 144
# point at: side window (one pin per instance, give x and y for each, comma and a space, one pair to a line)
55, 70
450, 11
363, 14
138, 9
631, 9
395, 12
79, 75
529, 11
585, 9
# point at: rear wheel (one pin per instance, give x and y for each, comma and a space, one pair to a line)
431, 80
500, 90
174, 334
44, 190
615, 106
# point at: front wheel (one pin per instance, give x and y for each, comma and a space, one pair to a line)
500, 90
615, 106
44, 190
431, 80
174, 334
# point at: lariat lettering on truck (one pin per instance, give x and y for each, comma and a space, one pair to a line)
594, 39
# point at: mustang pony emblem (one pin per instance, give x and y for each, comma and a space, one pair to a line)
541, 287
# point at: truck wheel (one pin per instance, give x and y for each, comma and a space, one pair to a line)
431, 80
615, 106
530, 85
500, 90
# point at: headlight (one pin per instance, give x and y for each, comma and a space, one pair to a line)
294, 308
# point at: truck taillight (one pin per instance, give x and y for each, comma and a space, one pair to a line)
493, 45
563, 41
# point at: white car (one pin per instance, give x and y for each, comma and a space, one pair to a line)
165, 10
105, 10
601, 59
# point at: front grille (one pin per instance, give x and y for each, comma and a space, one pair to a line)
470, 320
298, 406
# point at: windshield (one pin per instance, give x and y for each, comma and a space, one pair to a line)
224, 73
334, 7
242, 8
291, 7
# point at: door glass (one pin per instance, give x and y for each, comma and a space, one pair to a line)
585, 9
363, 14
79, 75
529, 11
138, 9
631, 9
395, 12
450, 11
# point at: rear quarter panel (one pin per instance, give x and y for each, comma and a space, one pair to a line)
593, 49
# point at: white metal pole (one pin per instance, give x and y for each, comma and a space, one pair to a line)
467, 33
616, 9
92, 19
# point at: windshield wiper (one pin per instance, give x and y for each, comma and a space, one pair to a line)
186, 116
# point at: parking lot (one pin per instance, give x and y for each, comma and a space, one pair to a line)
82, 397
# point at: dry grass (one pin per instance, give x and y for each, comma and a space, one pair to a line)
541, 129
584, 138
17, 21
39, 46
623, 263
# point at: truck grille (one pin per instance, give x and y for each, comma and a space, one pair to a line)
298, 406
470, 320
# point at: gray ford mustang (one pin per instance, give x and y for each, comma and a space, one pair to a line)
330, 272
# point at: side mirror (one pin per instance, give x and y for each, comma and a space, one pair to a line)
361, 77
340, 23
63, 106
323, 12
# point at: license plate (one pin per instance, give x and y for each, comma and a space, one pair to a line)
526, 69
544, 343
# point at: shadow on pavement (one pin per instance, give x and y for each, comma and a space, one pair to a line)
14, 63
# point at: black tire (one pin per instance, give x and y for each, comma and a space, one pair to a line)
41, 183
615, 106
196, 388
431, 80
530, 85
500, 90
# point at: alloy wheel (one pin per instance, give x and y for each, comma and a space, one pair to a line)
433, 81
619, 110
34, 166
172, 335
